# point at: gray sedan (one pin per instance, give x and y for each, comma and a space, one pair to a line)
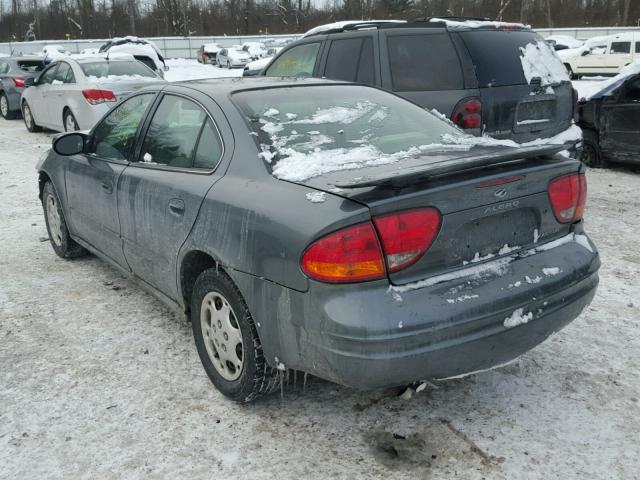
14, 72
73, 94
325, 227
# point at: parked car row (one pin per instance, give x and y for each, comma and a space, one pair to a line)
338, 228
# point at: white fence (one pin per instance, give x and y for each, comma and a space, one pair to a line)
186, 47
171, 47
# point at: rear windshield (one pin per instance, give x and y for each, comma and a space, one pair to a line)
496, 55
310, 130
106, 69
30, 65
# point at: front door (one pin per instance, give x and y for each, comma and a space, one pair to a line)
38, 103
92, 178
621, 122
160, 194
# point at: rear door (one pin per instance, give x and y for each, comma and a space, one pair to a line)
514, 106
92, 178
160, 194
352, 57
423, 65
619, 55
57, 92
39, 102
621, 122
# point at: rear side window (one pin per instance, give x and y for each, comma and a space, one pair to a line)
424, 62
496, 55
4, 67
62, 73
351, 60
30, 65
620, 47
637, 47
209, 149
297, 61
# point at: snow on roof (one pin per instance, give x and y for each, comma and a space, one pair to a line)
608, 86
258, 64
540, 60
567, 40
479, 23
212, 47
339, 25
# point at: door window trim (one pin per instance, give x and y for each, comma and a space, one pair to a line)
142, 121
140, 141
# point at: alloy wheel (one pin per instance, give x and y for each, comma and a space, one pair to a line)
28, 119
70, 124
4, 106
222, 336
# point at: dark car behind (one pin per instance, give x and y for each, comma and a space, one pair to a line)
14, 72
610, 121
471, 73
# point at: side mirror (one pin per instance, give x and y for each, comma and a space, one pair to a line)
70, 143
29, 82
166, 68
586, 52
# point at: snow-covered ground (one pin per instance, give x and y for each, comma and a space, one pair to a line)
99, 380
188, 69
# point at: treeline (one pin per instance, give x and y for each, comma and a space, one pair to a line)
58, 19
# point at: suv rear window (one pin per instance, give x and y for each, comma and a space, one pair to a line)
496, 55
423, 63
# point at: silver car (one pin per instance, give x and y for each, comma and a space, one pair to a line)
73, 94
232, 57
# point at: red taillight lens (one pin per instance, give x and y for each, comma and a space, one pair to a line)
468, 113
95, 97
349, 255
406, 236
18, 81
568, 196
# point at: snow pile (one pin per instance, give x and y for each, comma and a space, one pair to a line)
345, 115
258, 64
571, 134
181, 69
540, 60
479, 24
340, 25
121, 78
517, 318
551, 271
212, 48
608, 86
566, 40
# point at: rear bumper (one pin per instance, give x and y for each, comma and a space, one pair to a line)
363, 337
89, 115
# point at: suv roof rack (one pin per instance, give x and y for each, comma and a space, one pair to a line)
454, 18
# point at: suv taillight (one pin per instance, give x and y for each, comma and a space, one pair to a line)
94, 97
568, 196
468, 113
358, 253
18, 81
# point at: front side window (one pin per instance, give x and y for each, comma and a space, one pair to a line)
423, 63
115, 135
620, 48
632, 91
173, 134
295, 62
342, 61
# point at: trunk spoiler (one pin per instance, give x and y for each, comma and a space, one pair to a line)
408, 175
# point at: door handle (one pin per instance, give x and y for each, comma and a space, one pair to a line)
107, 186
176, 206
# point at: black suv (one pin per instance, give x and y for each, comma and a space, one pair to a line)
469, 70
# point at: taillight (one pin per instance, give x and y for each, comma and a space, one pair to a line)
352, 254
568, 196
406, 236
468, 113
18, 81
95, 97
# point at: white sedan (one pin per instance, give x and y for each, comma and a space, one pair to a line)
73, 94
232, 57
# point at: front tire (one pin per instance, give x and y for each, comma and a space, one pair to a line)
227, 340
69, 122
29, 121
591, 154
5, 111
61, 241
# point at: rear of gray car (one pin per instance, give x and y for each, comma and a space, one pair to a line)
14, 71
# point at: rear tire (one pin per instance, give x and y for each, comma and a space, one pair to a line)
572, 75
227, 340
591, 154
5, 112
61, 241
29, 121
229, 65
69, 121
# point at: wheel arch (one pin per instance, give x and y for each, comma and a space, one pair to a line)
43, 178
192, 264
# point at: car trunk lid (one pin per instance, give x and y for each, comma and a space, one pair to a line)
488, 211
